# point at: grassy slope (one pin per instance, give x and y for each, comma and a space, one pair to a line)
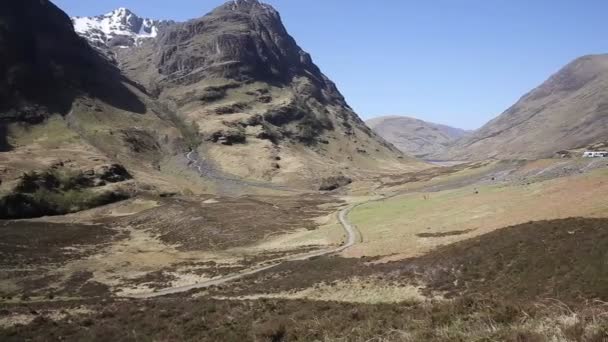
394, 225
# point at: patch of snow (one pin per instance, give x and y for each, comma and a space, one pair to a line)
120, 22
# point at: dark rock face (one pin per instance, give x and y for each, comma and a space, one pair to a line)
242, 40
138, 140
334, 183
120, 41
44, 64
112, 173
228, 137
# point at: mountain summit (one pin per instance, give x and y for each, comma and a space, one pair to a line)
247, 5
119, 28
255, 96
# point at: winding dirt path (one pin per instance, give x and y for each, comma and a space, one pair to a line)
352, 237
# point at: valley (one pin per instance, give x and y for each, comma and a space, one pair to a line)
205, 181
173, 251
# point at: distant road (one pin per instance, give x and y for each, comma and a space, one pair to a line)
352, 237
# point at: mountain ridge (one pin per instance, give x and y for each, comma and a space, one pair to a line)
414, 136
569, 110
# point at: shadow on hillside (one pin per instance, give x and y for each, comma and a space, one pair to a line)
116, 93
5, 146
45, 66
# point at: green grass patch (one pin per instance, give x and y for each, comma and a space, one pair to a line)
51, 134
44, 202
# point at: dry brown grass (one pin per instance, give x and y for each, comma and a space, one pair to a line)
302, 320
401, 225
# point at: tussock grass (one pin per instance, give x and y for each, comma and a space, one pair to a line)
179, 319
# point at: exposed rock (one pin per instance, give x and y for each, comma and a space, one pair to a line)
563, 154
228, 137
231, 109
112, 173
334, 182
120, 40
139, 140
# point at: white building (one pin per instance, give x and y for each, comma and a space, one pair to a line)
595, 154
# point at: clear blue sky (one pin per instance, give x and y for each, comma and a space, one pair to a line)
458, 62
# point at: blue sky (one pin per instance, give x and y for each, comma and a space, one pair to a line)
457, 62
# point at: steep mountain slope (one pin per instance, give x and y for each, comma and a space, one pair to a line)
264, 108
119, 28
44, 65
569, 110
416, 137
67, 111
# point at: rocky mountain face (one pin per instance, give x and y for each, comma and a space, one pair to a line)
245, 83
567, 111
416, 137
119, 28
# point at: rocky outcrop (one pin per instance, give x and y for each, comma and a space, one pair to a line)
113, 173
228, 137
334, 182
243, 40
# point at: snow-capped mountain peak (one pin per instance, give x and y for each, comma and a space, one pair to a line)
119, 28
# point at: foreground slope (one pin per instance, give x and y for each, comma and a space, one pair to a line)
569, 110
263, 107
416, 137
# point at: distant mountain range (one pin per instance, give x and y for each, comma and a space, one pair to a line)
416, 137
568, 111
